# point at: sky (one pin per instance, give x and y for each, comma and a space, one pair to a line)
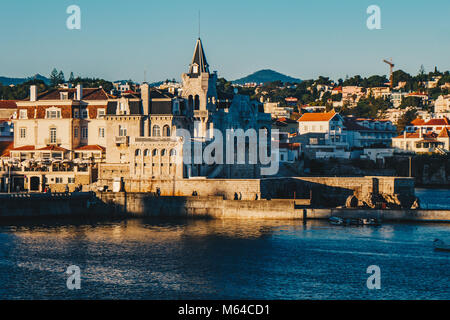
303, 39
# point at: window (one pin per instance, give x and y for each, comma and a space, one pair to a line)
156, 131
101, 132
58, 180
163, 152
166, 131
84, 132
53, 114
137, 152
23, 114
122, 131
146, 153
70, 180
23, 133
75, 132
154, 152
123, 108
52, 135
84, 114
195, 68
100, 113
173, 152
76, 113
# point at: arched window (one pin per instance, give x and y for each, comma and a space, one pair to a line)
146, 153
156, 131
155, 152
163, 152
190, 102
197, 103
166, 131
138, 152
173, 153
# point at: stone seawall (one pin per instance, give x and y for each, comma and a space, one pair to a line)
111, 205
37, 205
332, 191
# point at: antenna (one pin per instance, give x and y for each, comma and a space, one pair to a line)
145, 75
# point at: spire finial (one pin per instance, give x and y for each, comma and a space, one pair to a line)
199, 25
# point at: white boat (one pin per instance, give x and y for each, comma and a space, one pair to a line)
440, 245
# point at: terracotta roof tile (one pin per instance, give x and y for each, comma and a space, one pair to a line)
8, 104
91, 148
317, 116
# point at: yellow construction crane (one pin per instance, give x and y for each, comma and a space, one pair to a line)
391, 78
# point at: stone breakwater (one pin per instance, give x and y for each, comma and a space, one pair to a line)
110, 205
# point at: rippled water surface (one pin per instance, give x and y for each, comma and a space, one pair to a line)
434, 198
148, 259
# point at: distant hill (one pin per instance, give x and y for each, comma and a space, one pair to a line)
267, 75
15, 81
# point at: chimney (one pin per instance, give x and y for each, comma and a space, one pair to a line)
79, 92
33, 93
145, 96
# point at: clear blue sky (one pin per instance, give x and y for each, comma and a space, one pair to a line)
304, 39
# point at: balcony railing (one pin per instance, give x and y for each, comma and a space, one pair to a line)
200, 113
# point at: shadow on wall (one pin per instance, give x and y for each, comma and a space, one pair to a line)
321, 195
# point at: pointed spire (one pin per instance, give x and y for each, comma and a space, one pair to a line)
199, 63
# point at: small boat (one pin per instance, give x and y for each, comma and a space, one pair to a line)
336, 221
440, 245
371, 222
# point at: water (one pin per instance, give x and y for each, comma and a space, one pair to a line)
434, 198
197, 259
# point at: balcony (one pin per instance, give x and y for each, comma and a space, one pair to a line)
200, 113
53, 142
125, 140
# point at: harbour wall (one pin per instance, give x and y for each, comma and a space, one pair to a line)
332, 191
110, 205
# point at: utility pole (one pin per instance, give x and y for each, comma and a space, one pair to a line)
410, 166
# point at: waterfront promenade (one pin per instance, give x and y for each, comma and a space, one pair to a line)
122, 204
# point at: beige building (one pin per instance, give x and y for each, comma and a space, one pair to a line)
423, 142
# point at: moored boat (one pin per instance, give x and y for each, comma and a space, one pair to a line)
337, 221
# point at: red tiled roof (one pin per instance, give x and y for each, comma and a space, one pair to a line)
317, 116
416, 135
417, 122
24, 148
5, 146
8, 104
437, 122
444, 133
95, 147
52, 148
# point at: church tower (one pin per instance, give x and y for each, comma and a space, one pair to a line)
199, 90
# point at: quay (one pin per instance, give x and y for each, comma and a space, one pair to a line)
135, 205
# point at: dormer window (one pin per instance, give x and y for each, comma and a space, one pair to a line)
64, 95
101, 113
195, 68
23, 114
53, 113
122, 108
